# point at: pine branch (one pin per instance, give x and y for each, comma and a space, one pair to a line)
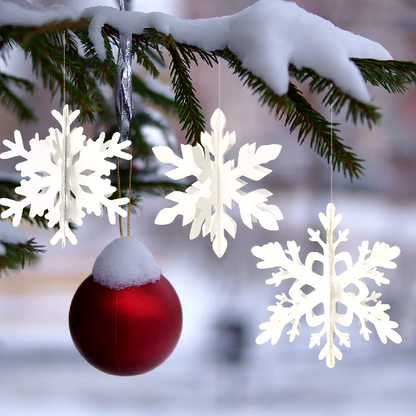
151, 96
44, 45
47, 62
311, 122
104, 72
18, 255
300, 113
393, 76
142, 52
356, 110
21, 83
12, 102
156, 56
186, 103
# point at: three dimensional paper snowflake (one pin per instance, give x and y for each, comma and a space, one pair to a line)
328, 289
65, 176
219, 185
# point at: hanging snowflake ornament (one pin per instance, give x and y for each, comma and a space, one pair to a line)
219, 185
65, 176
328, 289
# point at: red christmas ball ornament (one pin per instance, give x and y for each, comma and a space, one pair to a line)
126, 318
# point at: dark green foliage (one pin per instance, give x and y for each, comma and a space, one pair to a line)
152, 97
356, 110
391, 75
85, 74
11, 100
18, 255
300, 114
187, 104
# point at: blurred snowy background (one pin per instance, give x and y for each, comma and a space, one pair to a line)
217, 369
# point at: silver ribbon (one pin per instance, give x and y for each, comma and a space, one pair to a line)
123, 84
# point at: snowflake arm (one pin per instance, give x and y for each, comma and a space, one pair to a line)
328, 289
38, 166
16, 148
218, 185
188, 165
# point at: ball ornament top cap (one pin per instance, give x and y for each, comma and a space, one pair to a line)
125, 262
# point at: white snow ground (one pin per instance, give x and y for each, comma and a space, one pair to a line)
41, 374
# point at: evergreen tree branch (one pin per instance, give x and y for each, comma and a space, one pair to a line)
152, 97
18, 255
186, 103
142, 51
300, 113
12, 101
44, 47
393, 76
156, 56
21, 83
357, 110
104, 72
47, 63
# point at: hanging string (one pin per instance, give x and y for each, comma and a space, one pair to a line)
129, 207
332, 158
219, 83
63, 220
64, 69
120, 222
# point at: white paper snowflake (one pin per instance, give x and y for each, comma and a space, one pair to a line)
328, 289
65, 176
219, 185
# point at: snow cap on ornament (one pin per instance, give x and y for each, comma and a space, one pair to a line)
124, 263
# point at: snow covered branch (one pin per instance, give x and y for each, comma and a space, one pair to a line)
266, 45
315, 43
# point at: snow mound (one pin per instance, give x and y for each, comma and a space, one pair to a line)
125, 262
10, 235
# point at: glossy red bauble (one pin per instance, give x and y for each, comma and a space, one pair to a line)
127, 331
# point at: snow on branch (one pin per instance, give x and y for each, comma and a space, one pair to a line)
266, 37
21, 13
